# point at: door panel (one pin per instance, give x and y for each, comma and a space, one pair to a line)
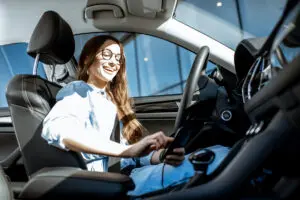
10, 155
157, 113
8, 141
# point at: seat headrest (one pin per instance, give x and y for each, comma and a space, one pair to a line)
245, 55
53, 39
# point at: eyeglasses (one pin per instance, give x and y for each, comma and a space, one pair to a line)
107, 55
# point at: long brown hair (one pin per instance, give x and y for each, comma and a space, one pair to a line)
117, 89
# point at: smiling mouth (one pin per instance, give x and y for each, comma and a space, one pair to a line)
109, 70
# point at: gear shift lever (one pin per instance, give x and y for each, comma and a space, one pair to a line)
200, 160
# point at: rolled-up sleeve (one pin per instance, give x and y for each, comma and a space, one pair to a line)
60, 123
65, 120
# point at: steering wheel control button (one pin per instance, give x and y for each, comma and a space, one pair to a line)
249, 130
259, 127
252, 130
226, 115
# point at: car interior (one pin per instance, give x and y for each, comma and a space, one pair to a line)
255, 115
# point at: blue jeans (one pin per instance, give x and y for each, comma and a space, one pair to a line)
149, 178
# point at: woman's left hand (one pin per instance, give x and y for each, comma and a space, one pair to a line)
172, 159
176, 158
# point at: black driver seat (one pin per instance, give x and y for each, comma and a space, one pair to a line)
52, 172
31, 97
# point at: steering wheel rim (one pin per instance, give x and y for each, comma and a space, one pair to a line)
198, 66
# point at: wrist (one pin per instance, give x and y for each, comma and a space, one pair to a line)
155, 159
161, 159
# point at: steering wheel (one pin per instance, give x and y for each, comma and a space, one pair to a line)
197, 69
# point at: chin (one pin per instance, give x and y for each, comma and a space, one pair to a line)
108, 79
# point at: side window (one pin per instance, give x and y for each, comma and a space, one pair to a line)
154, 66
14, 60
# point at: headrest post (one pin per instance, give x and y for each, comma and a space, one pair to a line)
36, 62
53, 72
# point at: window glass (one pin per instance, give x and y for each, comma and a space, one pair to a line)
230, 21
14, 60
154, 66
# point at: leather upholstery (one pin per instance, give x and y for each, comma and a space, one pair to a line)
53, 39
73, 183
30, 98
5, 192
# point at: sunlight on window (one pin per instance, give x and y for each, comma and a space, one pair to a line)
219, 4
230, 21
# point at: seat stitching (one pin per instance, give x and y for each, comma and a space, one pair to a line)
25, 94
26, 108
39, 97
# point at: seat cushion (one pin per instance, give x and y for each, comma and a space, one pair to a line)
74, 183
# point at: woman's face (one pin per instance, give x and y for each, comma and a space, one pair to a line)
106, 64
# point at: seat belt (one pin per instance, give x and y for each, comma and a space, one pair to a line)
115, 134
114, 162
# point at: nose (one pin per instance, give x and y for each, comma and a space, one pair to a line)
112, 64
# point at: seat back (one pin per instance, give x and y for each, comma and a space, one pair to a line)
31, 97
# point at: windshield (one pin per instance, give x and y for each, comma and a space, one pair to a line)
230, 21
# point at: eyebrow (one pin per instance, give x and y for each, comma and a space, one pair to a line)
111, 51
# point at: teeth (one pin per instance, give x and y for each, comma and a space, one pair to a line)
108, 70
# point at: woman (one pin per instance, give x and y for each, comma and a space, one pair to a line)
83, 118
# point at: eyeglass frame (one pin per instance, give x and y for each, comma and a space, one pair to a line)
111, 55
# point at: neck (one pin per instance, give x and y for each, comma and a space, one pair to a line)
99, 84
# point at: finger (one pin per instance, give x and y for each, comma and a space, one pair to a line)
179, 151
153, 147
175, 157
172, 162
159, 136
158, 133
152, 143
169, 139
160, 140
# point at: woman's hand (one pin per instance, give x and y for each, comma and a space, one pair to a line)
172, 159
149, 143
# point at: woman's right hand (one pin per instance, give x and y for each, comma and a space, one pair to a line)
149, 143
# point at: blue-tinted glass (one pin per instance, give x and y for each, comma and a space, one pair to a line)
14, 60
210, 67
154, 66
131, 68
209, 19
158, 66
80, 41
230, 21
260, 16
186, 60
